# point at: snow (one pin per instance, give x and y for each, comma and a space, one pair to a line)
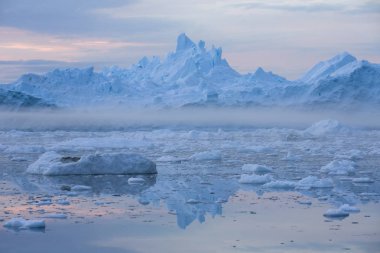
257, 168
207, 156
339, 167
54, 164
314, 182
254, 179
20, 223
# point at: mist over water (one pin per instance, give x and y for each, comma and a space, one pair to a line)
124, 118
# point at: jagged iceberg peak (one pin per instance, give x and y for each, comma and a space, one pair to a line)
328, 67
264, 76
184, 42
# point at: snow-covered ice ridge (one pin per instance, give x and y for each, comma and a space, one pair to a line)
193, 75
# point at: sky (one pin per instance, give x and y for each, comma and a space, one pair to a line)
287, 37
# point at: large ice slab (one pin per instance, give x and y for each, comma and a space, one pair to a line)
54, 164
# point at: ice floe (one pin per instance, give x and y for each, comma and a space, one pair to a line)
20, 223
54, 164
339, 167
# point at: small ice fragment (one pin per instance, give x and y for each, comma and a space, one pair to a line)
219, 200
193, 201
349, 209
336, 213
256, 168
207, 155
55, 216
78, 188
168, 158
304, 202
136, 180
63, 202
362, 180
280, 184
339, 167
291, 157
254, 179
20, 223
313, 182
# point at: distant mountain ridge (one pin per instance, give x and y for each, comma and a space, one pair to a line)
193, 75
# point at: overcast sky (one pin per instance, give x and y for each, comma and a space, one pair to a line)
286, 37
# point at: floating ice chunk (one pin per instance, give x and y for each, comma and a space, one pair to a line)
313, 182
254, 179
324, 127
280, 184
63, 202
339, 167
336, 213
20, 223
55, 216
342, 212
136, 180
192, 201
207, 155
79, 188
365, 180
256, 168
305, 202
168, 158
54, 164
349, 209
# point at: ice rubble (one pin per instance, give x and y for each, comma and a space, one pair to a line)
339, 167
54, 164
20, 223
194, 75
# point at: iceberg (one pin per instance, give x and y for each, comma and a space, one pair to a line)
54, 164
